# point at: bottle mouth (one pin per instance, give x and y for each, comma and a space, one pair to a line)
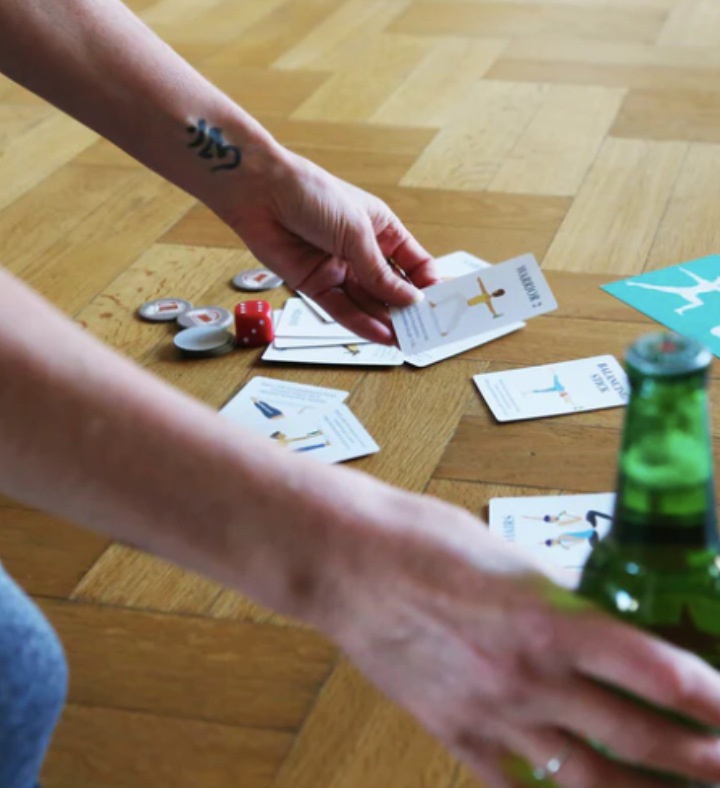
665, 354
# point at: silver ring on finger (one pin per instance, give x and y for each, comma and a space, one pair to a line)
554, 765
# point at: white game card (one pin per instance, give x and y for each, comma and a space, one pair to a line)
472, 305
330, 434
299, 320
452, 266
283, 343
267, 400
369, 355
561, 530
555, 389
304, 419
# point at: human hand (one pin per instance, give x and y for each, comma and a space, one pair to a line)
497, 661
330, 240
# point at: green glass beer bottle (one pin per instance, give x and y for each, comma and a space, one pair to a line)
658, 566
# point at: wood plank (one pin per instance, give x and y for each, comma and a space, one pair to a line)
546, 453
354, 738
689, 228
363, 169
86, 260
220, 23
527, 20
613, 220
463, 209
263, 92
670, 115
107, 748
560, 144
16, 120
35, 223
432, 93
579, 296
163, 271
493, 245
645, 77
364, 82
425, 404
398, 139
129, 578
468, 152
692, 23
46, 556
193, 668
45, 148
274, 34
344, 31
201, 227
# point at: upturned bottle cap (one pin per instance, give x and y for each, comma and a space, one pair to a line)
666, 354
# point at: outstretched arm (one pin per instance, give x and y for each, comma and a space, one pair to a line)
100, 63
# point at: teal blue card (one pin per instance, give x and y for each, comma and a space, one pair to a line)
685, 298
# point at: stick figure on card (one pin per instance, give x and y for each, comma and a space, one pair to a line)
691, 293
462, 304
284, 440
559, 389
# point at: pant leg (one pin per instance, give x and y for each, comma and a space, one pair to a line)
33, 686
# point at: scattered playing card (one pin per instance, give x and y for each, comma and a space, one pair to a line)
266, 400
370, 355
331, 434
283, 343
299, 320
559, 529
685, 298
555, 389
304, 419
473, 305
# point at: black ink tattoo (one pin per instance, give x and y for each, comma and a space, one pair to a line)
213, 146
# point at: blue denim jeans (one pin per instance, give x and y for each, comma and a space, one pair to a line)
33, 686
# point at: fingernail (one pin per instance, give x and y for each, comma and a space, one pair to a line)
419, 297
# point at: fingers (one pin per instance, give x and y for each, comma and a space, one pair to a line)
568, 762
372, 270
341, 306
617, 654
637, 734
396, 241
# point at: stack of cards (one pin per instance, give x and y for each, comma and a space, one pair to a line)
306, 334
555, 389
561, 530
304, 419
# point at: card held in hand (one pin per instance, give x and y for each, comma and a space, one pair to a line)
474, 304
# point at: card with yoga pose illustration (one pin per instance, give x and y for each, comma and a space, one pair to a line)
473, 305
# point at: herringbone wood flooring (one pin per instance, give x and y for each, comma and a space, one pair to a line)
585, 131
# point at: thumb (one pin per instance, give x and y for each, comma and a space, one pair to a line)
374, 272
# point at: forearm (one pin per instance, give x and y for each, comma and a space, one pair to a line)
87, 435
101, 64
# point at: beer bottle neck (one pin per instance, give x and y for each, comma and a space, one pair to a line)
665, 486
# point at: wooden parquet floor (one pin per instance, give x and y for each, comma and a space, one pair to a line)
585, 131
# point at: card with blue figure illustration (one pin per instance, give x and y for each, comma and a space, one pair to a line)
560, 530
685, 298
555, 389
473, 305
303, 419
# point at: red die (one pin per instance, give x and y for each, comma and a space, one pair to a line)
253, 324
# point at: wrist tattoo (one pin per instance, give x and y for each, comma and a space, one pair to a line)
212, 146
